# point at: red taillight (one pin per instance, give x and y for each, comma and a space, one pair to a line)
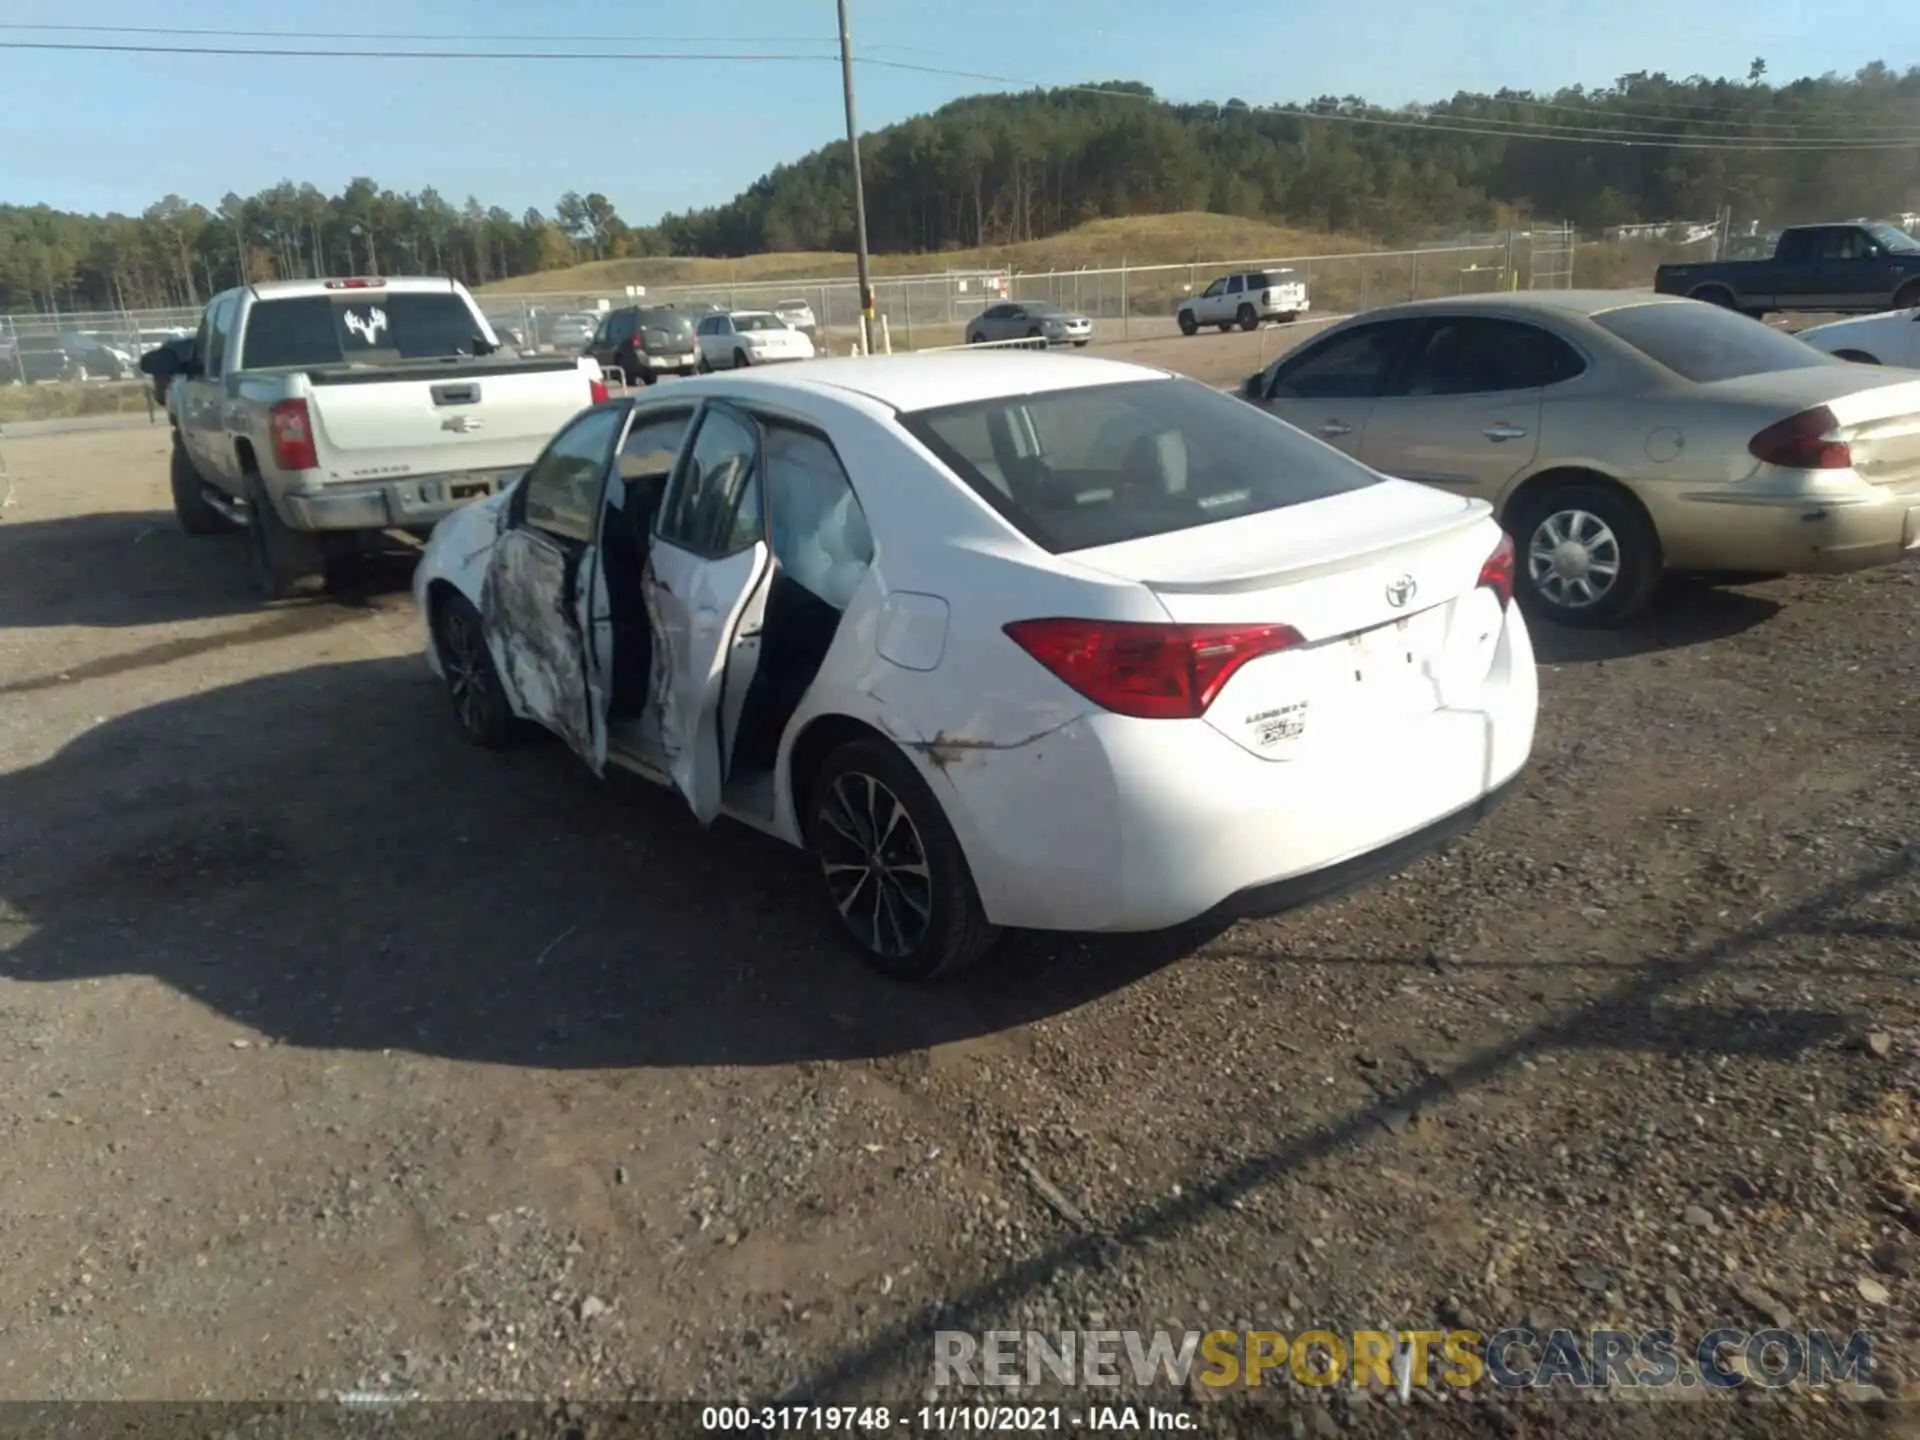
355, 284
1497, 573
1150, 671
598, 390
1803, 442
292, 431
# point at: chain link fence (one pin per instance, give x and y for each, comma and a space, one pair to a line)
1126, 302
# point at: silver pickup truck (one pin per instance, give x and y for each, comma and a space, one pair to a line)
315, 414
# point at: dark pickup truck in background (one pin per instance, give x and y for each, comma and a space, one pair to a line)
1852, 268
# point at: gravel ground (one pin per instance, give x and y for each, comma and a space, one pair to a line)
341, 1057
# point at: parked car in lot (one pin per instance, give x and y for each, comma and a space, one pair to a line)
97, 357
1890, 338
798, 315
1002, 640
32, 359
1619, 437
644, 342
1850, 267
316, 414
735, 339
1245, 300
1029, 320
570, 332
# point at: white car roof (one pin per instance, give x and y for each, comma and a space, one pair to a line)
922, 382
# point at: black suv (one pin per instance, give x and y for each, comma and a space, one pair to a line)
645, 342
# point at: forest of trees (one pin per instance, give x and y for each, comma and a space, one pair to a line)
996, 169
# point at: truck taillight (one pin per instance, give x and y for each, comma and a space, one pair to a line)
358, 283
292, 429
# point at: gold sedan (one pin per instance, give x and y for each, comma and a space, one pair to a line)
1619, 436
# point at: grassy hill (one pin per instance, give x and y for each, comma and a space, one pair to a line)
1191, 236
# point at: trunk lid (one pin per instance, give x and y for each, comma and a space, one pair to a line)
1382, 584
1878, 412
381, 422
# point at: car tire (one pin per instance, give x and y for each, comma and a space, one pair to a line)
1188, 325
976, 338
1611, 529
852, 795
1715, 295
742, 360
190, 506
286, 563
1248, 317
473, 681
1907, 296
1081, 344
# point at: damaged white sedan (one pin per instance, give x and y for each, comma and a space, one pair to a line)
1002, 640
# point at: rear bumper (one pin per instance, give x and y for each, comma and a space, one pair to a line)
1114, 824
417, 502
1342, 878
1789, 535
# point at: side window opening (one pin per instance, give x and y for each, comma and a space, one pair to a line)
820, 534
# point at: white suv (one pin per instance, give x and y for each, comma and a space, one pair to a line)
1245, 300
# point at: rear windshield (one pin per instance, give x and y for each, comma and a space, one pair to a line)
365, 326
1074, 469
665, 322
756, 322
1704, 343
1268, 278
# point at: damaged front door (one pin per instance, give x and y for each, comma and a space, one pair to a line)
533, 599
705, 588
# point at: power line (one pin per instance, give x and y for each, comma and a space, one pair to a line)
1430, 124
1716, 113
264, 51
440, 37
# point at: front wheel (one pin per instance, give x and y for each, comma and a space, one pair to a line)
891, 865
1188, 325
701, 367
976, 338
1907, 296
741, 359
1589, 557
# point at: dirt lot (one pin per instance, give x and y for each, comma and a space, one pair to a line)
336, 1055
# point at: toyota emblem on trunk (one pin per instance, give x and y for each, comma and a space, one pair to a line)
1401, 591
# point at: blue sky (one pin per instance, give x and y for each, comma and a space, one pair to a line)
97, 132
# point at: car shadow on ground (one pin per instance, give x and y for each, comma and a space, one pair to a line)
1684, 612
126, 568
350, 874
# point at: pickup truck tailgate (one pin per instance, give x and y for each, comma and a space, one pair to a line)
374, 423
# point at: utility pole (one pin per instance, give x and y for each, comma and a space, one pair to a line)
859, 190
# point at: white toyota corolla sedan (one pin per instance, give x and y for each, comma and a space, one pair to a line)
1000, 639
